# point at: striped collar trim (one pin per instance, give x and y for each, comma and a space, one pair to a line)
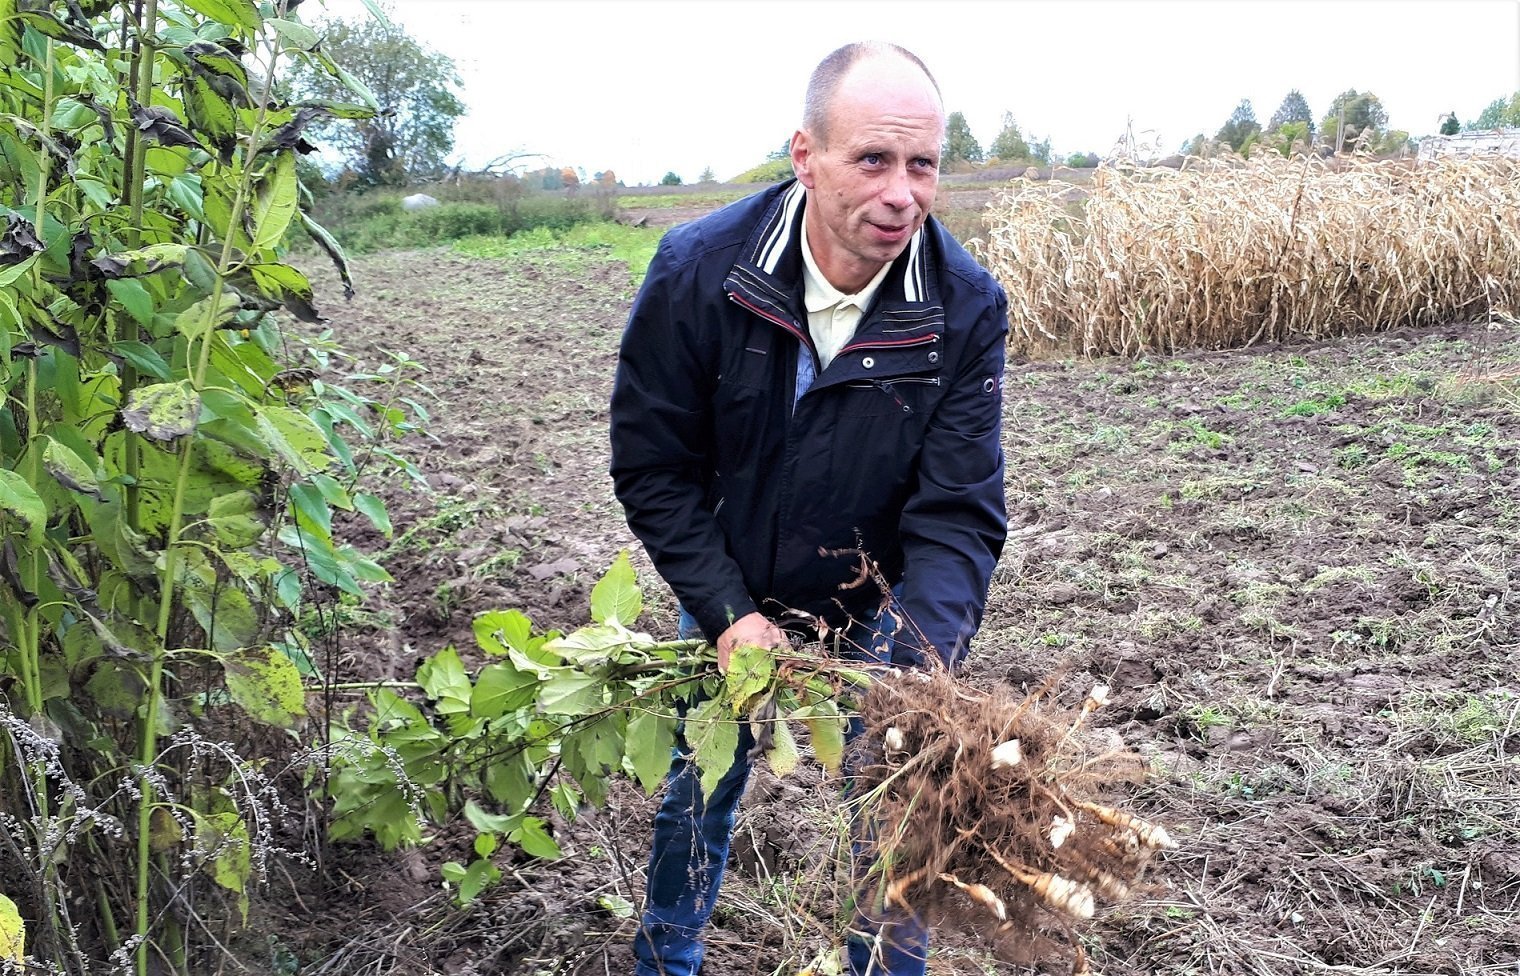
781, 230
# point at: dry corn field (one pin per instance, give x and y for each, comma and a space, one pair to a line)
1222, 254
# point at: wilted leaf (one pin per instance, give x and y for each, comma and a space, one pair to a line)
48, 25
616, 595
616, 905
69, 468
827, 729
145, 260
222, 838
159, 124
289, 287
329, 244
209, 313
749, 673
782, 754
267, 685
162, 411
19, 241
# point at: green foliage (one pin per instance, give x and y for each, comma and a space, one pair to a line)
1355, 117
1500, 113
1241, 129
1290, 138
1010, 145
374, 221
1079, 160
770, 171
960, 145
1449, 125
557, 715
169, 477
670, 179
576, 245
1294, 108
414, 87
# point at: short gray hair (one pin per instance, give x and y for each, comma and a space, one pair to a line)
831, 71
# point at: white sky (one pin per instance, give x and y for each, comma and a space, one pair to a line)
646, 86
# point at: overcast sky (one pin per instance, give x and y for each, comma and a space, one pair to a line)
647, 86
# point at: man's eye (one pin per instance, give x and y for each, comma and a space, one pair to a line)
871, 159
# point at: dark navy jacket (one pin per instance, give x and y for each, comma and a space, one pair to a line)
737, 494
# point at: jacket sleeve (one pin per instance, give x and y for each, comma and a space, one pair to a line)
954, 524
661, 432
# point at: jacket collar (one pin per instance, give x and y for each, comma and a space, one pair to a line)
767, 277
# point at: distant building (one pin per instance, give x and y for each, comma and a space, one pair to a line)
1463, 145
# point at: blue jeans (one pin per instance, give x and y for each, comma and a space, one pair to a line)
690, 851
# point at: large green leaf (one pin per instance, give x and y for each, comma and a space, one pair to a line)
827, 727
713, 735
570, 692
616, 595
275, 203
20, 499
233, 518
501, 689
444, 679
749, 673
221, 840
650, 737
295, 437
267, 685
209, 313
69, 469
496, 631
233, 13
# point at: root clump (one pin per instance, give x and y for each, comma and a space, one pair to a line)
986, 813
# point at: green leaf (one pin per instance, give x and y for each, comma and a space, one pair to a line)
650, 737
312, 508
329, 244
501, 689
12, 933
233, 13
295, 437
444, 679
162, 411
267, 685
143, 357
534, 839
513, 626
134, 297
616, 595
146, 260
275, 203
222, 839
211, 312
20, 499
374, 509
232, 518
487, 822
570, 692
337, 496
713, 735
294, 33
115, 688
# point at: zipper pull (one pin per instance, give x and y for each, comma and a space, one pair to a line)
893, 394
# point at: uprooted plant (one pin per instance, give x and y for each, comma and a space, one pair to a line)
988, 811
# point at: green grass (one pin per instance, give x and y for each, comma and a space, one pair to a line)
633, 245
663, 201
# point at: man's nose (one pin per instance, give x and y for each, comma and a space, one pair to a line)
898, 193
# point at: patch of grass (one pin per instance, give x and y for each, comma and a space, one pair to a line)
1316, 405
635, 246
665, 201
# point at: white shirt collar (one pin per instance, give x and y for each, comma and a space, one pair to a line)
818, 294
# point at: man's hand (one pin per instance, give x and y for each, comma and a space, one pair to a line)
750, 630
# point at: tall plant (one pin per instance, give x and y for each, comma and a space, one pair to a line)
167, 478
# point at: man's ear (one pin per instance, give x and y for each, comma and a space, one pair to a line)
802, 157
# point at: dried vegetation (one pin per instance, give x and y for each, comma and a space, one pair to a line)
1220, 253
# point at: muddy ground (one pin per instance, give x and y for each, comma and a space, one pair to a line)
1297, 566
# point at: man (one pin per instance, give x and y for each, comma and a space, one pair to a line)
812, 373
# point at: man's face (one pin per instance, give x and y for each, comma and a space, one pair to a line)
872, 176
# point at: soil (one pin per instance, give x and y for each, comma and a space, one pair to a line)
1296, 566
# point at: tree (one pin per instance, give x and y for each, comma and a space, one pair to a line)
1499, 114
1010, 145
1294, 108
707, 176
960, 145
1449, 125
670, 179
1290, 137
1242, 129
1353, 113
415, 87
